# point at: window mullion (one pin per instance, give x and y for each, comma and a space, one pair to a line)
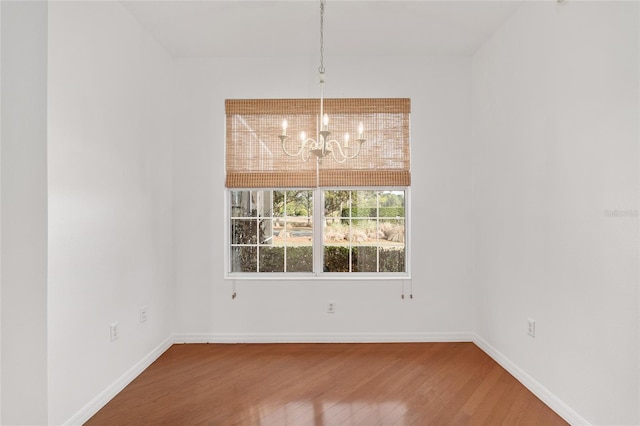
318, 230
377, 228
284, 229
350, 232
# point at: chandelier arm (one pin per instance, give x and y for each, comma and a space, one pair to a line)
307, 144
311, 145
335, 158
284, 148
343, 155
342, 158
307, 151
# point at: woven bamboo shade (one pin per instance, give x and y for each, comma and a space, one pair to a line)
255, 159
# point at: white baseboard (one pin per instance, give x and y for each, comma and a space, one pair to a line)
322, 337
546, 396
112, 390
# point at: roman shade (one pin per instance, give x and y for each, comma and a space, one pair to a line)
255, 159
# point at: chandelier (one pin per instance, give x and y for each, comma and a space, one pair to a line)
323, 145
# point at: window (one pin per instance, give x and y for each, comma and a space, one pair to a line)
364, 231
271, 231
361, 231
292, 217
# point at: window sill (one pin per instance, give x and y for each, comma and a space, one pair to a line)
336, 276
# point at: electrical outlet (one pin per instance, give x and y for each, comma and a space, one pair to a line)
143, 313
331, 307
531, 327
114, 331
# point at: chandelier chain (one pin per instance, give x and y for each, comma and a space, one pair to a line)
321, 69
323, 145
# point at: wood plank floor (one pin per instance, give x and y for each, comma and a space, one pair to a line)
326, 384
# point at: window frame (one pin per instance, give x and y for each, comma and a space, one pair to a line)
318, 241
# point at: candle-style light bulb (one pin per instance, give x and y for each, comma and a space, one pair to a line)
303, 136
360, 130
284, 127
325, 121
346, 140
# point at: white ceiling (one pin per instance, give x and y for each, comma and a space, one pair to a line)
262, 28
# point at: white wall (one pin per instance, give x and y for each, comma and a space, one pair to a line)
555, 154
440, 91
110, 194
0, 214
24, 213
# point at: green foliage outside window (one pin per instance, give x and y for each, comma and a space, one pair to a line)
300, 259
371, 212
363, 259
